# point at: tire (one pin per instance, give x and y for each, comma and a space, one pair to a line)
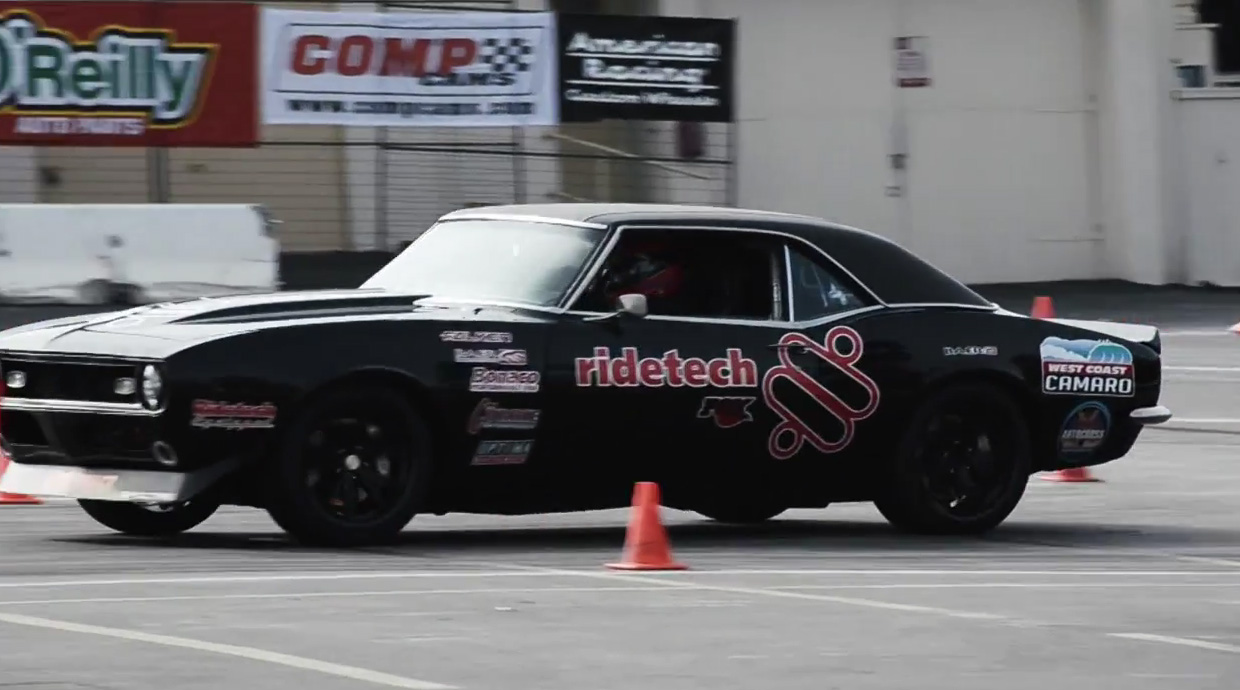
149, 521
991, 475
365, 442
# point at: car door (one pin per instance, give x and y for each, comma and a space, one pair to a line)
659, 397
824, 392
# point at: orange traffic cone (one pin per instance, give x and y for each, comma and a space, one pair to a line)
1075, 475
1043, 308
645, 543
14, 499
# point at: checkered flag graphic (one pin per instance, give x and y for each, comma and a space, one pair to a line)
506, 55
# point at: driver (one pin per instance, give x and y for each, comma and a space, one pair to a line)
644, 269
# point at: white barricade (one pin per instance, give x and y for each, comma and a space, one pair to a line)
134, 253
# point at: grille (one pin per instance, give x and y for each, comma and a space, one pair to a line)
68, 381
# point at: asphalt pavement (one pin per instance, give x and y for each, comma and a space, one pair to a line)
1130, 583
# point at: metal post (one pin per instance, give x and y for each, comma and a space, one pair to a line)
158, 175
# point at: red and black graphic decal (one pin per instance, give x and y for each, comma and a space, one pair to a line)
842, 349
727, 410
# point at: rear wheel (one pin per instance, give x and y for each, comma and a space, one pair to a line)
150, 520
962, 465
353, 468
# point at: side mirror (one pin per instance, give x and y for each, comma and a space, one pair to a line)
633, 305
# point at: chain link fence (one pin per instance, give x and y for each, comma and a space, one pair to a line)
341, 191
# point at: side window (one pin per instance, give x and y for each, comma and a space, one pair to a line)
817, 291
693, 273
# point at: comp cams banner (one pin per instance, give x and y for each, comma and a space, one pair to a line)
128, 73
646, 68
408, 69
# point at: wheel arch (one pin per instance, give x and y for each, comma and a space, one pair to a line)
415, 391
1009, 383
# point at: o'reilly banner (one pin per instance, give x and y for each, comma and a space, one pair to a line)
646, 68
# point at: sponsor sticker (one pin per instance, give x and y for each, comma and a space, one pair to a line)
512, 358
735, 370
475, 337
727, 411
489, 415
1085, 429
971, 351
492, 453
211, 414
841, 349
1086, 367
484, 380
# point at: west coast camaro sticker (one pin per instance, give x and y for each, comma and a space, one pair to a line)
512, 358
842, 349
484, 380
502, 452
489, 415
475, 337
1085, 429
211, 414
1086, 367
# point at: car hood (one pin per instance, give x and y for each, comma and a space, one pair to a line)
158, 330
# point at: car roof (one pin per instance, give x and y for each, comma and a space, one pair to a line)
894, 274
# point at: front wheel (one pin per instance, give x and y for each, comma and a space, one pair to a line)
155, 520
962, 465
353, 468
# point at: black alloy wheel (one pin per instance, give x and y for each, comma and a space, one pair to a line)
150, 519
353, 468
962, 465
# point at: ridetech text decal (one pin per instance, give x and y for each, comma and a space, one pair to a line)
733, 371
841, 350
1086, 367
792, 433
109, 73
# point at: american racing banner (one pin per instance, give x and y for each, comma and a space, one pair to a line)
646, 68
128, 73
402, 69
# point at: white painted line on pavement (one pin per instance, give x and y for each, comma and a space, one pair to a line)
1207, 560
1204, 369
761, 592
319, 595
303, 663
1011, 585
1201, 420
1199, 333
1179, 641
288, 577
552, 572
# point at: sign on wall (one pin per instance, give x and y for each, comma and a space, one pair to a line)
912, 58
128, 73
646, 68
393, 69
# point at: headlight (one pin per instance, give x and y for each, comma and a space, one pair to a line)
152, 387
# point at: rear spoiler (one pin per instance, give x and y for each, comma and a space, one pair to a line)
1132, 332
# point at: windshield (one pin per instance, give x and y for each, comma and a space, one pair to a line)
515, 261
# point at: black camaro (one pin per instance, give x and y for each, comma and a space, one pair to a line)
543, 358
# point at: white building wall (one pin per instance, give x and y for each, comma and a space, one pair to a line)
19, 178
1209, 185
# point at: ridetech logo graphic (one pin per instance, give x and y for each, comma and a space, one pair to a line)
842, 348
118, 72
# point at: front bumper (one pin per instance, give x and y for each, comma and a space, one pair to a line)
1148, 416
135, 486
